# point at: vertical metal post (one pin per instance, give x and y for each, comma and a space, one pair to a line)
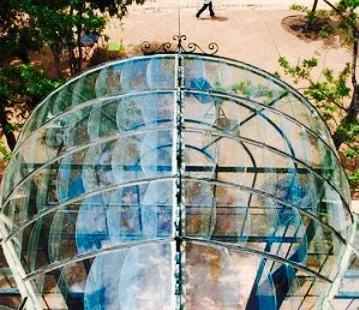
180, 197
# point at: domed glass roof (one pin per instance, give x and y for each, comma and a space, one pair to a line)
176, 181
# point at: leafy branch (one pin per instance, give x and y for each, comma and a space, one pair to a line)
329, 93
335, 101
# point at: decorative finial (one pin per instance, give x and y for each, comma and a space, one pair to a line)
168, 47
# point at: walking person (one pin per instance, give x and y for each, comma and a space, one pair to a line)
206, 4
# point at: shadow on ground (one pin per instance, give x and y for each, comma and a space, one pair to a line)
215, 18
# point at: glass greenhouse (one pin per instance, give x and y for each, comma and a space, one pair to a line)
176, 181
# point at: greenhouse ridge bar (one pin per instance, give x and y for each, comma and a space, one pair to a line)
176, 181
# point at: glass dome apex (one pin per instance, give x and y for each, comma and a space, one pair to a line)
149, 183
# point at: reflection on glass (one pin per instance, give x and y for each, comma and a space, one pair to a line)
92, 232
132, 285
141, 213
157, 176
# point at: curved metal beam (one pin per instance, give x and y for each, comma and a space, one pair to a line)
95, 192
92, 102
237, 99
276, 199
262, 254
99, 141
209, 243
276, 151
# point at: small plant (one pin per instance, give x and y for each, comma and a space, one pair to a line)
325, 31
310, 17
336, 24
277, 74
298, 7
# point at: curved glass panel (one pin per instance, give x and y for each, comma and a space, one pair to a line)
177, 179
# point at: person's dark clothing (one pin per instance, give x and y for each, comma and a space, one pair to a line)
204, 7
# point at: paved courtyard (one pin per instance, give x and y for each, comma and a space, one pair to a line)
243, 29
264, 4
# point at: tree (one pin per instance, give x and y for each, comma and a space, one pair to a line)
329, 94
30, 24
20, 89
17, 36
346, 11
311, 15
61, 23
21, 86
334, 99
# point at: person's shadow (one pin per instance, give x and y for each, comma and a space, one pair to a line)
215, 18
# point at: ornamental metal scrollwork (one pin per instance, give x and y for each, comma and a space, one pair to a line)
148, 49
213, 47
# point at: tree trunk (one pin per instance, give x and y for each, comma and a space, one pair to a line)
56, 55
352, 112
5, 126
351, 116
24, 55
71, 59
79, 59
311, 16
70, 47
79, 43
315, 4
355, 57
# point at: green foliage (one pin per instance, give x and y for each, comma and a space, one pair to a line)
10, 83
277, 75
219, 87
61, 23
301, 71
353, 178
351, 152
325, 24
325, 31
6, 155
298, 7
261, 92
37, 83
348, 130
17, 36
18, 84
21, 88
10, 127
31, 24
310, 16
242, 88
343, 5
328, 93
